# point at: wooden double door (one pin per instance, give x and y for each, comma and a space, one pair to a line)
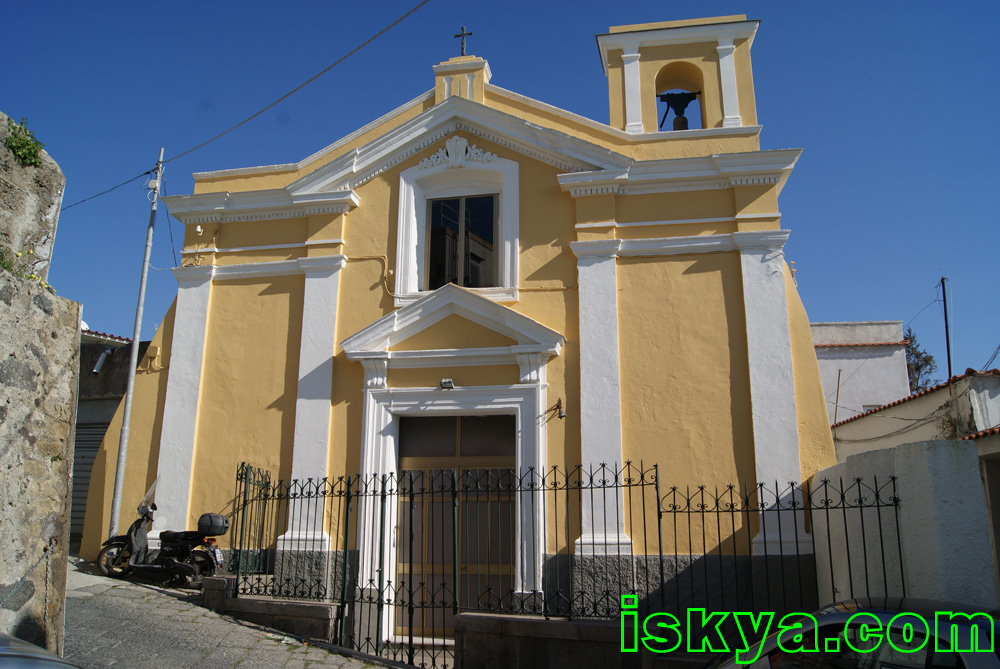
456, 540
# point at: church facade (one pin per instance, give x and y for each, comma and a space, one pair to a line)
476, 268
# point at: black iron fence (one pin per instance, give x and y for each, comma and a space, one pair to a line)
401, 554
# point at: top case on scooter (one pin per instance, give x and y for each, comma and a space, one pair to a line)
213, 524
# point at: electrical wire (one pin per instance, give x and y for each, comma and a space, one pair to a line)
306, 83
170, 227
279, 100
871, 348
993, 357
105, 192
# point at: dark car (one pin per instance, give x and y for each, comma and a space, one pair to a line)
18, 654
875, 633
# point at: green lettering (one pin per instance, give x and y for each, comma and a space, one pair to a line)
708, 631
794, 630
661, 622
907, 625
629, 605
745, 621
866, 631
980, 639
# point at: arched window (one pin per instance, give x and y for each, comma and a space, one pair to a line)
679, 92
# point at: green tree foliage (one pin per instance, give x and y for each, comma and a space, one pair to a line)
920, 364
22, 143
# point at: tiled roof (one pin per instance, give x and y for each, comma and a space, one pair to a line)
984, 433
105, 335
928, 391
873, 343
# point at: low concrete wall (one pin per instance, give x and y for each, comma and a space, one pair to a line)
39, 348
492, 641
302, 619
943, 532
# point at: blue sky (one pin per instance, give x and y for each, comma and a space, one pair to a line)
893, 104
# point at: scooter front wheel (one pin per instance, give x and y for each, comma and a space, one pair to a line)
113, 560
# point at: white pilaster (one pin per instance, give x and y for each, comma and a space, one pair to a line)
633, 96
600, 392
315, 384
180, 407
314, 394
727, 71
772, 382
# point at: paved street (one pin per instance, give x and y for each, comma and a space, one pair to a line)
136, 624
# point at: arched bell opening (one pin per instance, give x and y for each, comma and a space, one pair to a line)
679, 97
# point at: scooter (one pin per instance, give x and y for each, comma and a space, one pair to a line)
184, 558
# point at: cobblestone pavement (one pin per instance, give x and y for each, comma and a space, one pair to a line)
125, 623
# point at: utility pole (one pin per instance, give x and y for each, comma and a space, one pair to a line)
947, 334
116, 499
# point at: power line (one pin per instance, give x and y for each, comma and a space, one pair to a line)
105, 192
278, 101
306, 83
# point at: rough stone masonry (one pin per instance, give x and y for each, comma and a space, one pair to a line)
39, 366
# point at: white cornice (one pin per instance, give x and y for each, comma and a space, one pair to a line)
632, 41
317, 264
768, 240
257, 205
457, 114
293, 167
725, 170
405, 322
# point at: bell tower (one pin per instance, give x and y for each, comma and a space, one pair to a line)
700, 62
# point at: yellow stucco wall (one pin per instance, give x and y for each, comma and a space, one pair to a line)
684, 372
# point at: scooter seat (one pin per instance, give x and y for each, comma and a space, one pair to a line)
169, 536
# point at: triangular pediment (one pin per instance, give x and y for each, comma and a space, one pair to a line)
407, 333
565, 152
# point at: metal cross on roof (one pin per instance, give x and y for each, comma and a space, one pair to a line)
463, 35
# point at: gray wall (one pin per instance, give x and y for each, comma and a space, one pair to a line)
944, 537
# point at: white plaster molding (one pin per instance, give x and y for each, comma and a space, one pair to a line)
635, 40
380, 455
633, 98
478, 64
313, 396
266, 247
758, 217
267, 269
680, 174
325, 151
257, 205
600, 383
178, 432
469, 79
479, 174
447, 86
455, 153
398, 326
666, 246
772, 383
645, 224
315, 370
457, 114
727, 74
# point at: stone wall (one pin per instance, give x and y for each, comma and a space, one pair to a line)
39, 364
30, 198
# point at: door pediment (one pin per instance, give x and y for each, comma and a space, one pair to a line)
425, 334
